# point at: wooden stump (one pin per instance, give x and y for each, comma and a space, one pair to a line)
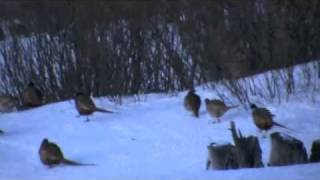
315, 151
222, 157
248, 149
286, 150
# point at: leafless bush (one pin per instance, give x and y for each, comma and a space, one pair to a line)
121, 48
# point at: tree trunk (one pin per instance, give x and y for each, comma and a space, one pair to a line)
248, 149
286, 150
222, 157
315, 151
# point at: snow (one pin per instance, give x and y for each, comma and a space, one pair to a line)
220, 144
155, 138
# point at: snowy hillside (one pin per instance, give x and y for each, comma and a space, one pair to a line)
152, 139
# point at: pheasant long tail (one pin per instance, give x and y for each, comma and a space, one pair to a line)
280, 125
234, 106
103, 110
73, 163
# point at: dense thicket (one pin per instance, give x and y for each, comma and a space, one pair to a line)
117, 48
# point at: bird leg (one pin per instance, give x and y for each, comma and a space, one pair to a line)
87, 120
208, 164
264, 134
213, 122
259, 131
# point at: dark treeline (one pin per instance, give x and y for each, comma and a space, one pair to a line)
118, 48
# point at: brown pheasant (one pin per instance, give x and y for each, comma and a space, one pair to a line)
85, 105
8, 103
263, 118
32, 96
217, 108
50, 155
192, 102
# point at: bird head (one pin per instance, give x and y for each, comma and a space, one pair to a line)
79, 94
253, 106
45, 141
192, 91
31, 84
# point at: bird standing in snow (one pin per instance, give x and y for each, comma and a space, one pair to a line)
192, 102
263, 118
217, 108
50, 155
32, 96
86, 106
8, 103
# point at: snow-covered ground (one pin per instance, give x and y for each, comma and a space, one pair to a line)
155, 138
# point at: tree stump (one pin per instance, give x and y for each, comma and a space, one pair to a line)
286, 150
315, 151
248, 149
222, 157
